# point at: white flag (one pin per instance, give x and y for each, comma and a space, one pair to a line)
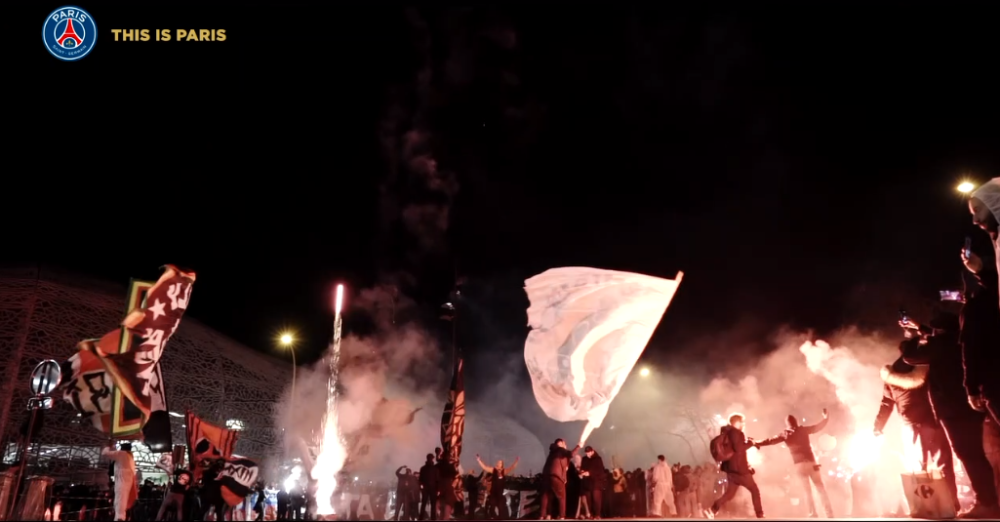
588, 328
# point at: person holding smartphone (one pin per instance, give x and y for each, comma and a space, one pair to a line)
937, 348
984, 205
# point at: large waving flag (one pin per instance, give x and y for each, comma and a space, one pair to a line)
125, 361
137, 372
588, 328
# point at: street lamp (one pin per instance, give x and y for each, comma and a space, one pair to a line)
288, 341
965, 187
644, 372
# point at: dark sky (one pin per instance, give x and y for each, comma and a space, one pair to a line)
797, 162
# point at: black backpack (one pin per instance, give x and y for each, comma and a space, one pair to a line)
722, 448
681, 482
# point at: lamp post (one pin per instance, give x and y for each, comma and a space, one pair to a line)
288, 341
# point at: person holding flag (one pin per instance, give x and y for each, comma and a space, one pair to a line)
126, 489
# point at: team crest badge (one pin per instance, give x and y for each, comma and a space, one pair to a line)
69, 33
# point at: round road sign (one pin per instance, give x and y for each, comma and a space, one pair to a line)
45, 377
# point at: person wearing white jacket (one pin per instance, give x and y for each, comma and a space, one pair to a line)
662, 481
126, 491
984, 205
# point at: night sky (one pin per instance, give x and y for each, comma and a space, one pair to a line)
797, 162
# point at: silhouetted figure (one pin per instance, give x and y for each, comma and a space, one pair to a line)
806, 468
554, 476
497, 502
593, 474
737, 468
428, 488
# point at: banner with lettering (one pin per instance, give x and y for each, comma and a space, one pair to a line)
86, 387
115, 387
237, 478
136, 371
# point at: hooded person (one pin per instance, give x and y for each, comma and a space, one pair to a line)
905, 391
796, 438
126, 489
941, 353
980, 335
984, 205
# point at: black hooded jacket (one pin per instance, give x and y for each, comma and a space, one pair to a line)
980, 337
906, 391
429, 477
557, 463
797, 440
595, 467
738, 464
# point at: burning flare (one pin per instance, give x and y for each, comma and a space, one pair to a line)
330, 461
863, 449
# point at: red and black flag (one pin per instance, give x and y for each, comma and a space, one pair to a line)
237, 479
137, 372
124, 363
453, 420
207, 443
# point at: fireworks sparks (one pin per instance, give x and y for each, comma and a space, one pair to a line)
332, 452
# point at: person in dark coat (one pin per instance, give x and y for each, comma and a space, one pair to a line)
283, 501
471, 484
428, 488
554, 476
403, 491
260, 501
906, 391
592, 472
980, 335
806, 468
448, 491
737, 469
939, 350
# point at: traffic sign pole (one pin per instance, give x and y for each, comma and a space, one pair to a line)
44, 380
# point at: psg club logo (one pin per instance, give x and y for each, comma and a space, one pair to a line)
69, 33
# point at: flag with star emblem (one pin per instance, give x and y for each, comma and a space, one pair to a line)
116, 381
136, 372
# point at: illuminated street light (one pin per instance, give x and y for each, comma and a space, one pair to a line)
287, 340
965, 187
644, 372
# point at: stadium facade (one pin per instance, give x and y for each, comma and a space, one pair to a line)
44, 313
